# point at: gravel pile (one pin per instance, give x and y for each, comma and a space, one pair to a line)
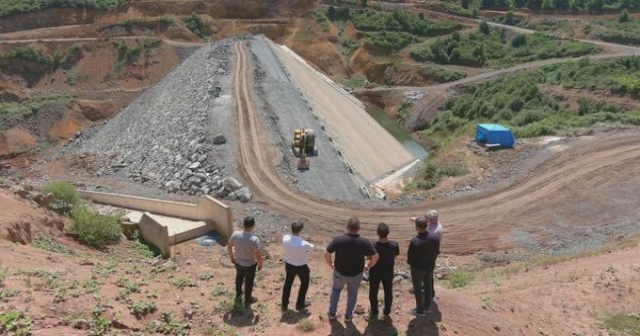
173, 136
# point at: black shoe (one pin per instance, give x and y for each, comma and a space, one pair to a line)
284, 308
250, 301
303, 306
332, 316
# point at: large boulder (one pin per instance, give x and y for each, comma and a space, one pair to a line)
231, 184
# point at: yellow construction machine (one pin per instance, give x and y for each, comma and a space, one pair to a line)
303, 145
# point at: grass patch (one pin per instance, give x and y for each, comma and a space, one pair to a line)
15, 323
47, 243
431, 173
13, 114
306, 326
459, 279
627, 324
355, 82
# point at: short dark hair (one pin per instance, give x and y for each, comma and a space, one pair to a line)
353, 224
249, 222
297, 226
421, 223
383, 230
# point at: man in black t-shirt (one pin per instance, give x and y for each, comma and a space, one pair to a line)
383, 271
350, 250
421, 256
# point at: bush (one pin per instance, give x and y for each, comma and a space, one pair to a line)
94, 229
459, 279
519, 40
195, 24
66, 196
624, 16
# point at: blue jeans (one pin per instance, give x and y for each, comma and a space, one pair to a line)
339, 281
422, 288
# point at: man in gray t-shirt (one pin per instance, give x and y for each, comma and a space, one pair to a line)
244, 251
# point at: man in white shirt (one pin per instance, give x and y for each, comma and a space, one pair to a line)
295, 258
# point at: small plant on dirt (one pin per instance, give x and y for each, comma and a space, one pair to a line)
127, 284
221, 330
61, 296
66, 196
220, 289
182, 283
47, 243
306, 325
15, 323
5, 295
94, 229
207, 276
168, 326
458, 279
4, 272
140, 309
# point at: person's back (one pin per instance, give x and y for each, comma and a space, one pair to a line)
245, 245
382, 271
387, 252
350, 250
421, 257
423, 251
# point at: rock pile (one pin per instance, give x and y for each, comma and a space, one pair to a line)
173, 135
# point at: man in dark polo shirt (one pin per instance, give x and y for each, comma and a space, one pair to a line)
350, 250
383, 271
422, 253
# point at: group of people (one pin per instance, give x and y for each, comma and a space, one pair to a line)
351, 257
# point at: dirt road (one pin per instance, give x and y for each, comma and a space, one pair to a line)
581, 184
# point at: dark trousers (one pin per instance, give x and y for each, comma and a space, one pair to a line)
246, 275
375, 279
292, 271
422, 288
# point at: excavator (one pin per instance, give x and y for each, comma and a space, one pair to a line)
303, 145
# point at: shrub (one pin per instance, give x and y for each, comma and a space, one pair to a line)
94, 229
458, 279
624, 16
519, 40
195, 24
66, 196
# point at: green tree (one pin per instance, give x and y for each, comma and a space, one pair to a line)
519, 3
534, 4
479, 54
364, 4
508, 19
484, 28
595, 5
547, 4
484, 4
465, 3
574, 5
561, 4
624, 16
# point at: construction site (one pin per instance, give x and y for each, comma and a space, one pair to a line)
183, 133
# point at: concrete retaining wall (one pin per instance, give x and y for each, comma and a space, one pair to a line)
210, 210
155, 233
